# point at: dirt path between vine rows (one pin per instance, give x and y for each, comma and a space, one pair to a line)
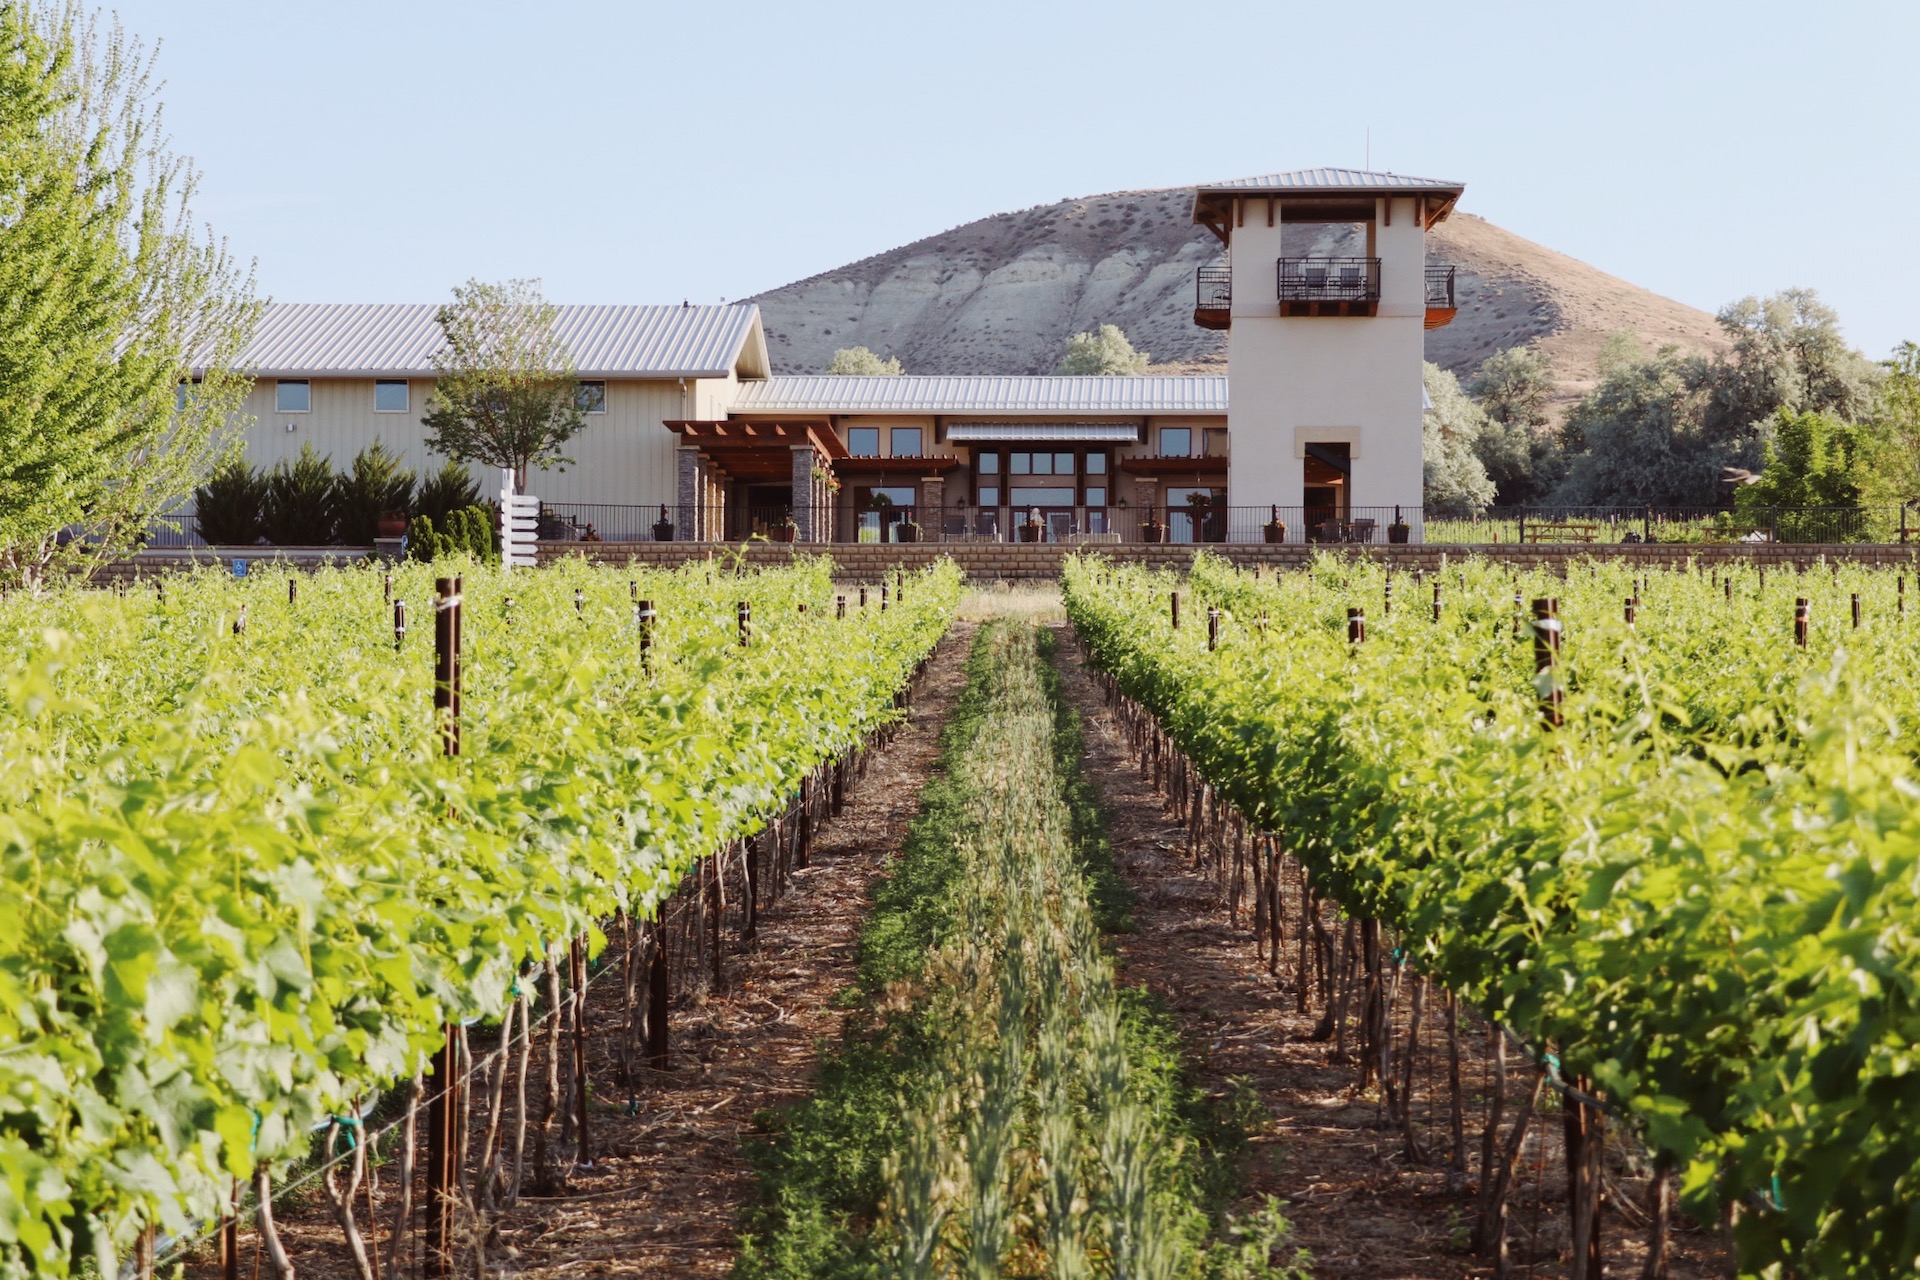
669, 1182
1354, 1200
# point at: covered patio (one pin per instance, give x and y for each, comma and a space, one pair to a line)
715, 453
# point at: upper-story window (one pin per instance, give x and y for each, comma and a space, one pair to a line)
185, 392
863, 442
1213, 442
592, 397
988, 463
1176, 442
293, 395
390, 395
906, 442
1096, 462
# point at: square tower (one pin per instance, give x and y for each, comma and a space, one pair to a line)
1326, 294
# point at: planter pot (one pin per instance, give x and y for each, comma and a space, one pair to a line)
1153, 533
1275, 532
1030, 533
906, 533
785, 533
390, 526
1398, 532
663, 531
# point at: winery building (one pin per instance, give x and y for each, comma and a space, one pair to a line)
690, 435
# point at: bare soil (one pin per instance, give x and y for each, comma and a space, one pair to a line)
1356, 1201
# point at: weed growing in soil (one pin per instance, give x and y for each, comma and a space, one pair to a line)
999, 1106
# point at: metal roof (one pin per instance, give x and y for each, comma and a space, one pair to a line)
1014, 394
1325, 181
348, 340
963, 432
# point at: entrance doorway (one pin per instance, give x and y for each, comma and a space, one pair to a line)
1327, 483
880, 509
768, 508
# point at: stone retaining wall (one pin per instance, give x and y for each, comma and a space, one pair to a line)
1028, 562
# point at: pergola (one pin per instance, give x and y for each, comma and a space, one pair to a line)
800, 451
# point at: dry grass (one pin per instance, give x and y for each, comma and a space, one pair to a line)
1040, 605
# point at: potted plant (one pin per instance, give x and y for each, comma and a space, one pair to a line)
663, 527
906, 531
1274, 529
1152, 530
1032, 527
1399, 530
786, 530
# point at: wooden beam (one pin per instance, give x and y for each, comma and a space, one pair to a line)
1386, 212
1269, 210
1239, 213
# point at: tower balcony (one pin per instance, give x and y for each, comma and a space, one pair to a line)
1329, 286
1441, 308
1213, 296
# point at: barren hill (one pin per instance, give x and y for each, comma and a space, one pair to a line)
1003, 294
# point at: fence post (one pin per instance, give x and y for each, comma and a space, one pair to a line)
1800, 622
399, 623
443, 1115
1436, 600
1213, 629
1173, 608
1546, 652
1356, 625
1856, 611
745, 611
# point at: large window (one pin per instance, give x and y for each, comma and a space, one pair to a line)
863, 442
592, 397
1050, 496
291, 395
906, 442
988, 463
1176, 442
390, 396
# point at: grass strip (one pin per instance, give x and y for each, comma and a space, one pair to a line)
999, 1105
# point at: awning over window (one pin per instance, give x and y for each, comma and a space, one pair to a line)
984, 432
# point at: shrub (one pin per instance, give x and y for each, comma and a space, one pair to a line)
376, 486
230, 504
301, 508
445, 492
468, 531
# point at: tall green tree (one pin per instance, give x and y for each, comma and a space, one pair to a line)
1639, 439
110, 298
1105, 351
861, 361
1455, 481
504, 393
1890, 444
1514, 388
1788, 353
1812, 461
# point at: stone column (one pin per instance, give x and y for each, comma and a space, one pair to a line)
689, 492
806, 495
713, 511
933, 508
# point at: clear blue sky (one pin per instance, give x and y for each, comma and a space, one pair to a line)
641, 152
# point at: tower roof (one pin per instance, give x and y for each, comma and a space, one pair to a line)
1322, 194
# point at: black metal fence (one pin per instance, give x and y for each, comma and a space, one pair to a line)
1440, 284
1213, 522
1329, 279
1213, 288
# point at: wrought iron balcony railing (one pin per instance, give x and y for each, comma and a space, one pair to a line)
1329, 279
1213, 288
1440, 284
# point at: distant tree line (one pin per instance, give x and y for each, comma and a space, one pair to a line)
1788, 416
